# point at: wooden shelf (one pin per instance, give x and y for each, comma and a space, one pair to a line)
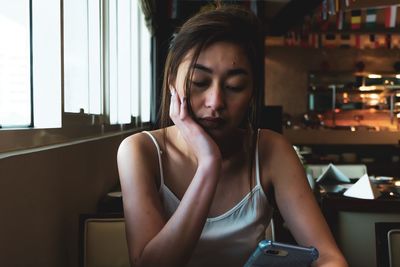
326, 136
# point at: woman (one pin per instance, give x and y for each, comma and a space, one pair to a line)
194, 191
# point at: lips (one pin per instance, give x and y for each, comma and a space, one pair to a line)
211, 122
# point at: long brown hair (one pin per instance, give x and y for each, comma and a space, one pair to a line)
224, 23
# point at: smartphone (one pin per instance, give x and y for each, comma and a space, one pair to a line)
275, 254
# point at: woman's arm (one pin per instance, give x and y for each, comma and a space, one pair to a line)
152, 240
297, 203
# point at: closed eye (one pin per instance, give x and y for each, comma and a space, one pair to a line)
200, 83
234, 88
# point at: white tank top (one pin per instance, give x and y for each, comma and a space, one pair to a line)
230, 238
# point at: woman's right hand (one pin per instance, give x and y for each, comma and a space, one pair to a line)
201, 143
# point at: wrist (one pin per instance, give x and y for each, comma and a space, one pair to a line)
210, 164
210, 160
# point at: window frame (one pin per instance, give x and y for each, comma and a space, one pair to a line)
75, 126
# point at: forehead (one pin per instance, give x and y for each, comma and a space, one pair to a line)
230, 54
220, 56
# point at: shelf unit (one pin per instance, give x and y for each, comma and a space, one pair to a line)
334, 94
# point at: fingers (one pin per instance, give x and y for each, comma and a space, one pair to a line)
174, 105
178, 107
202, 144
183, 112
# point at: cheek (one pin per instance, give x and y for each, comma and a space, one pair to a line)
195, 104
243, 102
241, 106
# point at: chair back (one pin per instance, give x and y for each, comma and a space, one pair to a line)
387, 236
103, 241
394, 247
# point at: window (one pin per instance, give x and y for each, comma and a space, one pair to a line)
82, 56
15, 92
30, 59
46, 63
103, 41
85, 63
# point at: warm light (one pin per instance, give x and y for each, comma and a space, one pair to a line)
352, 128
386, 82
398, 76
367, 88
374, 76
373, 102
345, 97
397, 183
374, 96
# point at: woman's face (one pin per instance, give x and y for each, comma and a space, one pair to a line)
221, 87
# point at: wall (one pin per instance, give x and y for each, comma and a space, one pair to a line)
287, 68
42, 195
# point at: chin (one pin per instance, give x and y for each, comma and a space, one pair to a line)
221, 133
216, 133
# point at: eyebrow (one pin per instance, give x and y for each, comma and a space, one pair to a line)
231, 72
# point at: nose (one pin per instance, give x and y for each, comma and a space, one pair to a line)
215, 98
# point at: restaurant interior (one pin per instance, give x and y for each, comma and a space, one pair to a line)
334, 80
332, 88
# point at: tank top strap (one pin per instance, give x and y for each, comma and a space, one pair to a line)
159, 152
258, 182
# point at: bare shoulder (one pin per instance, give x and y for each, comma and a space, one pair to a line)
279, 159
276, 154
138, 151
137, 142
140, 142
272, 143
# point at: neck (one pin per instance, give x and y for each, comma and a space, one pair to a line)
230, 146
233, 144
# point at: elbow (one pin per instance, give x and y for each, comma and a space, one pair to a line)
139, 260
334, 261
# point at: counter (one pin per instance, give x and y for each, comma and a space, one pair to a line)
328, 137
